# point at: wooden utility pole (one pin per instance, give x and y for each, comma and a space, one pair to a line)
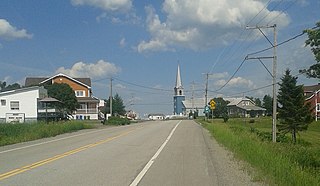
274, 75
110, 98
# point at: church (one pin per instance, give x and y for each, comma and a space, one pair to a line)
183, 106
179, 97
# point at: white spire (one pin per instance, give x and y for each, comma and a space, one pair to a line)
178, 79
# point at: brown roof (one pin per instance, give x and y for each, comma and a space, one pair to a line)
88, 99
30, 81
311, 88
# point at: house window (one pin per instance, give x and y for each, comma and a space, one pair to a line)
318, 107
80, 93
3, 102
14, 105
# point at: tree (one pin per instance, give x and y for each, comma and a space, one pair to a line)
268, 104
64, 93
314, 42
5, 87
294, 114
117, 106
221, 107
257, 101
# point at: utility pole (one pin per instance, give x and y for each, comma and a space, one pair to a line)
110, 98
192, 97
274, 85
206, 93
274, 74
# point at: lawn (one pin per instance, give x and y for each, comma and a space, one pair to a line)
281, 163
17, 133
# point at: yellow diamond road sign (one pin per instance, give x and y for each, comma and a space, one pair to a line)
212, 104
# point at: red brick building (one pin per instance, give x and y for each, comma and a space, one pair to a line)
312, 94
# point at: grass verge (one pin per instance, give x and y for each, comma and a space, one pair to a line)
17, 133
276, 164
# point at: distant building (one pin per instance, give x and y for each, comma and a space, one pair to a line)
156, 116
244, 107
21, 105
312, 94
179, 97
194, 105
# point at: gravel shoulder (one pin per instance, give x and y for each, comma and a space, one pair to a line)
228, 170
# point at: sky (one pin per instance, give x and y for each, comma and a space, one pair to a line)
140, 43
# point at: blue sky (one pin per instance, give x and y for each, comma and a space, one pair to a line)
140, 44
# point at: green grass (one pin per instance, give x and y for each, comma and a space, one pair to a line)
16, 133
275, 163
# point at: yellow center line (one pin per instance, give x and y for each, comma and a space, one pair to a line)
59, 156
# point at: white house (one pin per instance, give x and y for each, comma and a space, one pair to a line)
156, 116
21, 105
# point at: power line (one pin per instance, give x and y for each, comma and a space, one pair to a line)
232, 75
269, 12
265, 6
281, 43
285, 9
142, 86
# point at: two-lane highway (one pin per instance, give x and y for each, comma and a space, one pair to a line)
150, 153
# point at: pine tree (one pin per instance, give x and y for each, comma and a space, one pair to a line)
268, 104
294, 114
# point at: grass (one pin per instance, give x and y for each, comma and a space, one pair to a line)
275, 163
17, 133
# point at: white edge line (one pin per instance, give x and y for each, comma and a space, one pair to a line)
154, 157
55, 140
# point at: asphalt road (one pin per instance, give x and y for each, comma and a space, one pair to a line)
149, 153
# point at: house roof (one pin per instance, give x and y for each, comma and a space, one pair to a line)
197, 103
40, 80
88, 99
310, 90
236, 101
10, 92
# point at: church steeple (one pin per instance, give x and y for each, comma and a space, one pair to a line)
178, 89
178, 78
178, 98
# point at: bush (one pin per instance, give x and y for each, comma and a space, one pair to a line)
118, 121
251, 121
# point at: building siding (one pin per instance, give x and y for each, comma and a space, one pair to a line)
74, 85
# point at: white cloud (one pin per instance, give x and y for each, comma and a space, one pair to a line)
108, 5
97, 70
7, 31
120, 86
122, 42
236, 82
219, 75
202, 24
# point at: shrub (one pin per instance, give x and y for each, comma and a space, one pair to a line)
118, 121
